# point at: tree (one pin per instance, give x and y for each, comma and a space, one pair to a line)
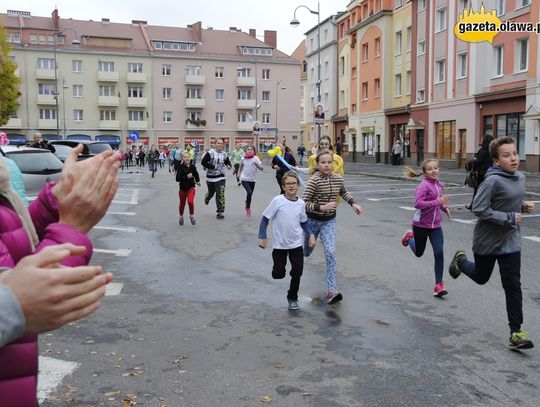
9, 82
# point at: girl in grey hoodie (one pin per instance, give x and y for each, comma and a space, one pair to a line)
498, 205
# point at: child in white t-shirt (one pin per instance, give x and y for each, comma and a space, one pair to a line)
247, 173
289, 222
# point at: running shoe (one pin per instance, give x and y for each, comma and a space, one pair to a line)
220, 215
248, 213
453, 268
181, 221
405, 238
519, 340
333, 298
193, 222
293, 304
206, 199
439, 290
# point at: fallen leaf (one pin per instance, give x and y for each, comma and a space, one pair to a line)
266, 399
279, 365
382, 323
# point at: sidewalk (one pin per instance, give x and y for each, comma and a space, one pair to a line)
448, 176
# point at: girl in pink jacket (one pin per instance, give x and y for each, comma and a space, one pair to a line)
429, 203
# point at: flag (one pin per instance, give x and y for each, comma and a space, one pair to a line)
249, 117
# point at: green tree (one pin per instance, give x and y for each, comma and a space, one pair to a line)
9, 82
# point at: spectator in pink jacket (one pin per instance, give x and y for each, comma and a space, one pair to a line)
63, 213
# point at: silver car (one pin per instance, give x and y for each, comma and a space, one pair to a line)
37, 166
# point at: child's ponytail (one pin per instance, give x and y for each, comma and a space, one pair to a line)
410, 173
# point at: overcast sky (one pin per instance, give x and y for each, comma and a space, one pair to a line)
218, 14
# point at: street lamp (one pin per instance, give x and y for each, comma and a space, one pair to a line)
296, 23
279, 82
56, 93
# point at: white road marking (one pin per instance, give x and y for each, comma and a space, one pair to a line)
113, 288
117, 253
129, 229
135, 197
51, 373
467, 221
124, 202
121, 213
407, 208
533, 238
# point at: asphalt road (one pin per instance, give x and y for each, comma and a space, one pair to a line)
198, 320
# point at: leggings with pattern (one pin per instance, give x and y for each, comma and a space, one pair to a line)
327, 230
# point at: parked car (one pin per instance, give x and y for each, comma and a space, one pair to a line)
63, 151
90, 148
37, 166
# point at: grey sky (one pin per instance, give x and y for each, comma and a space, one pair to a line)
219, 14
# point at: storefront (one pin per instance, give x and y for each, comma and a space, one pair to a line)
198, 143
142, 141
111, 139
244, 141
164, 141
16, 139
79, 137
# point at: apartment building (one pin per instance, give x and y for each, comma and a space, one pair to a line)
300, 54
169, 84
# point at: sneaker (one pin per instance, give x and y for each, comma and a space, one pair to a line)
519, 340
239, 184
248, 213
468, 207
220, 215
405, 239
192, 218
453, 268
333, 298
181, 221
439, 290
293, 304
206, 199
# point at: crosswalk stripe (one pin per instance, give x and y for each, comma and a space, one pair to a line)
129, 229
117, 253
533, 238
113, 289
51, 373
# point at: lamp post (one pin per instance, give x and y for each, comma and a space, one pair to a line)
64, 87
296, 23
56, 93
279, 82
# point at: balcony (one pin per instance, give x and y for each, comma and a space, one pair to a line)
196, 103
47, 123
138, 124
136, 77
245, 104
195, 79
104, 76
245, 81
45, 74
46, 100
137, 102
244, 126
196, 124
109, 124
13, 123
108, 101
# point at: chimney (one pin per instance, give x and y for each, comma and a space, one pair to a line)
270, 38
232, 29
253, 32
197, 30
55, 18
139, 22
105, 20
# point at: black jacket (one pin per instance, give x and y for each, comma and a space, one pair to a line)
182, 176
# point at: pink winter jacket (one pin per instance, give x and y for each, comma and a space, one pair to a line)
19, 359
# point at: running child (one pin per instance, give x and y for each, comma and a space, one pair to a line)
289, 221
429, 203
320, 196
187, 175
215, 161
499, 205
247, 172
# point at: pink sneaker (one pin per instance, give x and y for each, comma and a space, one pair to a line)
248, 213
439, 290
405, 239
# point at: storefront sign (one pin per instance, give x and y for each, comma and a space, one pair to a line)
167, 140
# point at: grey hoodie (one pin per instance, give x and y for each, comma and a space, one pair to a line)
496, 203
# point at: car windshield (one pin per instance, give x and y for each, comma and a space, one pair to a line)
96, 148
34, 162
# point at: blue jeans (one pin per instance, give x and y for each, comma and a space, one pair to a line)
327, 230
436, 238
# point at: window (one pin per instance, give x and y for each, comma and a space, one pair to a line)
167, 93
397, 83
255, 51
135, 92
220, 72
220, 94
46, 89
398, 42
498, 60
421, 5
41, 39
106, 66
420, 96
193, 93
107, 115
445, 140
106, 90
365, 52
522, 3
266, 74
408, 39
244, 94
194, 115
47, 114
243, 118
364, 91
522, 55
500, 7
166, 70
243, 72
302, 92
408, 83
135, 67
193, 70
45, 63
463, 5
342, 66
167, 117
33, 39
76, 65
440, 71
398, 3
326, 70
266, 118
220, 118
174, 46
440, 20
136, 115
512, 125
266, 96
377, 85
13, 37
461, 68
421, 47
77, 91
378, 47
77, 115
